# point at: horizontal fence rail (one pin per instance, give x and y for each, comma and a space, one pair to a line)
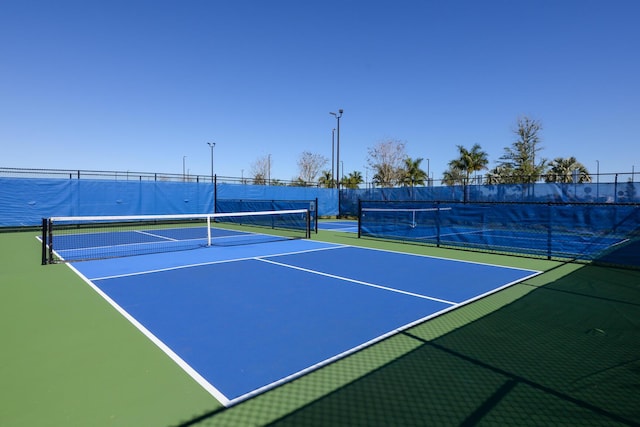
479, 180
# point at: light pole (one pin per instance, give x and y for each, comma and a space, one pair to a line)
333, 146
183, 168
428, 181
366, 178
337, 116
212, 145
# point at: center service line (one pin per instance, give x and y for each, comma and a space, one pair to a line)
359, 282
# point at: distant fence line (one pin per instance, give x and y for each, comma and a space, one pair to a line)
603, 178
25, 201
134, 176
27, 195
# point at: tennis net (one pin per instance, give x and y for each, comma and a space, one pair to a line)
66, 239
252, 205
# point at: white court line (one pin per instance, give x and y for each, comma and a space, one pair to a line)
359, 282
291, 377
343, 229
445, 258
212, 390
223, 261
217, 394
155, 235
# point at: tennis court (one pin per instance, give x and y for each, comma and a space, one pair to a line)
565, 245
344, 226
242, 319
547, 230
560, 347
267, 323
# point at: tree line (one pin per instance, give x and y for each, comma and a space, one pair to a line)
520, 163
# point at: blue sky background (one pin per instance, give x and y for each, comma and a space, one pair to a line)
137, 85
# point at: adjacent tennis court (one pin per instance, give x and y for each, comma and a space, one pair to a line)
545, 230
344, 226
242, 319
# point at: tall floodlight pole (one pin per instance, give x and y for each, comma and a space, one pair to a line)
333, 146
337, 116
212, 145
428, 181
184, 178
366, 177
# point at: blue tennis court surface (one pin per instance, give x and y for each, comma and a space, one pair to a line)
567, 245
243, 319
342, 226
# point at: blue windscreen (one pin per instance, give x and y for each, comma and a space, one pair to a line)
25, 201
573, 231
253, 205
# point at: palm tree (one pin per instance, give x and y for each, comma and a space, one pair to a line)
385, 176
453, 177
470, 161
353, 180
326, 180
563, 170
412, 174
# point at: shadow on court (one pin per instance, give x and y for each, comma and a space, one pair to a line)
626, 254
567, 353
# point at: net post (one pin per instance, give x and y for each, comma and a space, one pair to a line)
50, 239
308, 230
315, 215
44, 240
208, 230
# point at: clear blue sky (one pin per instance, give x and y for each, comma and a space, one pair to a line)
137, 85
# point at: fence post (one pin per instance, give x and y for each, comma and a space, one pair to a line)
437, 223
215, 192
359, 217
549, 233
45, 222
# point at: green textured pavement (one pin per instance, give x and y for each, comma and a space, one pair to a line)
562, 348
